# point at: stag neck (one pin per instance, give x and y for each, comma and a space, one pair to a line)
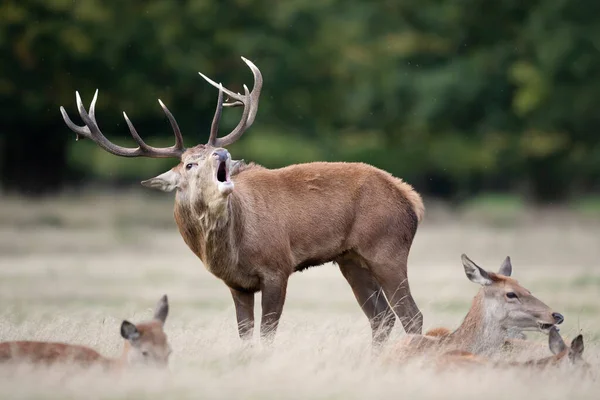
479, 332
221, 233
212, 236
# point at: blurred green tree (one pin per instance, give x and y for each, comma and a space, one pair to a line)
456, 97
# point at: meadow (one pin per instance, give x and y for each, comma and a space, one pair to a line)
72, 267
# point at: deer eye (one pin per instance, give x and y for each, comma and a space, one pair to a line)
145, 353
189, 166
511, 295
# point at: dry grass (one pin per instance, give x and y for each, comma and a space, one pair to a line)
71, 270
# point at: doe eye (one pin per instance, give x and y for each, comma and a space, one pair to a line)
145, 353
511, 295
189, 166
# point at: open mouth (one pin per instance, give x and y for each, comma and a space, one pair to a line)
224, 184
222, 172
545, 327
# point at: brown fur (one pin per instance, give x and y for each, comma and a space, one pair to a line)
459, 359
149, 346
278, 221
49, 353
516, 337
485, 327
521, 345
438, 332
563, 355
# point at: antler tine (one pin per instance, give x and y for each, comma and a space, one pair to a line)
214, 128
174, 126
241, 126
91, 127
80, 131
217, 85
256, 89
248, 100
233, 104
93, 106
91, 131
142, 145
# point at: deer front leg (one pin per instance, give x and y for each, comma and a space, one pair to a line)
273, 298
244, 311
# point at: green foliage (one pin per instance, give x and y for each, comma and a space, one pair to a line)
455, 97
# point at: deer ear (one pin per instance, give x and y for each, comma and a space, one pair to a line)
235, 166
506, 267
167, 182
475, 273
162, 309
555, 342
577, 345
129, 331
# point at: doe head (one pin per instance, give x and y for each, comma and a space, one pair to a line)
511, 304
147, 342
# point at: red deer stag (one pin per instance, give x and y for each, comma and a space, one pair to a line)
145, 344
252, 227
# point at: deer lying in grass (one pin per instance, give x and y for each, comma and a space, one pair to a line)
563, 355
145, 344
252, 227
516, 340
501, 305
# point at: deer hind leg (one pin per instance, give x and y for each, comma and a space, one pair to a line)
369, 296
393, 278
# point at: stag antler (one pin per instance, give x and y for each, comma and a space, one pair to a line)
91, 131
249, 101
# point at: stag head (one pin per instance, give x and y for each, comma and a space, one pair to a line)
205, 168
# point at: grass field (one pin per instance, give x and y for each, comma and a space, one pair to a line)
72, 268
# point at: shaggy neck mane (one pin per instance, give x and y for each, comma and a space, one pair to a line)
212, 235
479, 330
220, 234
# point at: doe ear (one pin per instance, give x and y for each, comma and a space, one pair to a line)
577, 345
129, 331
555, 341
475, 273
506, 267
162, 309
167, 182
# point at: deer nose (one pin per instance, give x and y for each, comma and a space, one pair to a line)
558, 318
221, 154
